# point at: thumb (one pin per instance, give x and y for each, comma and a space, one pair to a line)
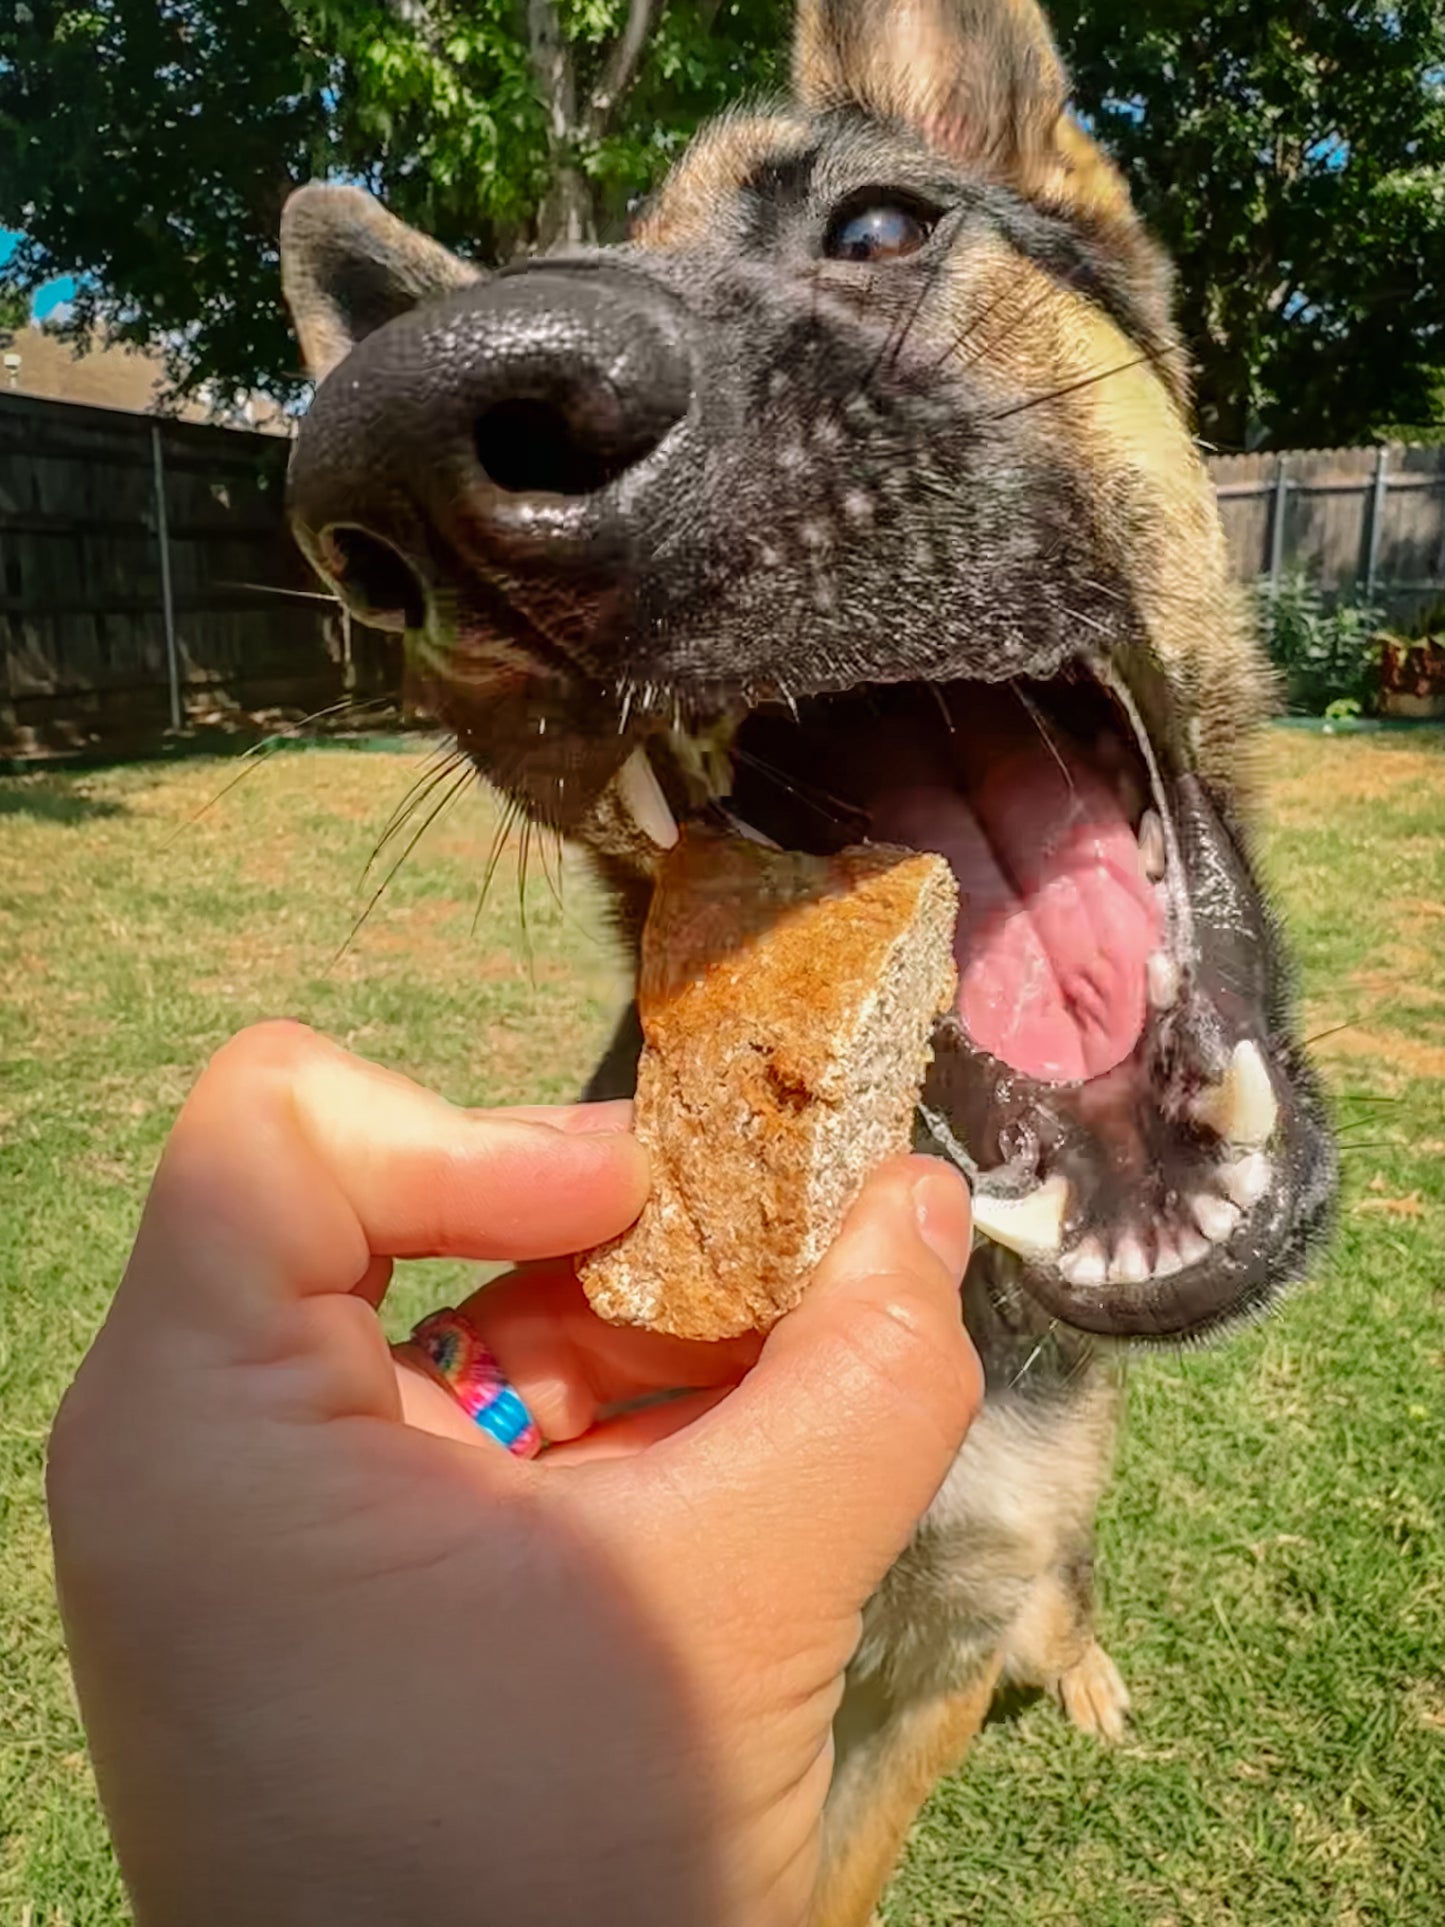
835, 1444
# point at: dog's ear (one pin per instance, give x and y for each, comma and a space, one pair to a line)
978, 79
348, 267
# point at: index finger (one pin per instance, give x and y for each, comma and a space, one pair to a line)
296, 1169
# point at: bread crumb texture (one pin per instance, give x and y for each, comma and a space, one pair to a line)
787, 1004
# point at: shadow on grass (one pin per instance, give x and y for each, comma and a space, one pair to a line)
52, 803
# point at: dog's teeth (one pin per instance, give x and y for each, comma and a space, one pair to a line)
1161, 975
1216, 1217
1241, 1108
1167, 1256
1033, 1226
1151, 845
642, 797
1085, 1263
1245, 1179
1192, 1245
1130, 1262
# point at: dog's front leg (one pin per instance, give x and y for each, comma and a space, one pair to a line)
891, 1755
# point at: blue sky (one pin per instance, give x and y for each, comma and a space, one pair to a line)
52, 294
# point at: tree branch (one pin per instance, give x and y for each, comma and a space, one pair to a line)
566, 213
551, 59
622, 64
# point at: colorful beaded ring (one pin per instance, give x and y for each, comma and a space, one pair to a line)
470, 1372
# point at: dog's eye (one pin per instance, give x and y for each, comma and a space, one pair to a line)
879, 231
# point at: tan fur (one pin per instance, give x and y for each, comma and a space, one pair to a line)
909, 1755
338, 223
684, 212
990, 1589
980, 76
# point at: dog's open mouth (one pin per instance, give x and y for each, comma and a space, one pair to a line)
1108, 1077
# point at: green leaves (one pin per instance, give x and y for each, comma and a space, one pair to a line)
1291, 160
1291, 157
147, 146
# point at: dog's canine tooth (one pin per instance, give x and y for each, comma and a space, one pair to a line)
1241, 1108
1216, 1217
1085, 1263
1245, 1179
1151, 845
1161, 975
1033, 1225
1130, 1262
1193, 1245
642, 797
1167, 1256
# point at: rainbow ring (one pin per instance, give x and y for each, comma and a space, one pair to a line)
469, 1370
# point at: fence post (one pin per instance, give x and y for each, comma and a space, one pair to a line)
1377, 517
1276, 522
168, 603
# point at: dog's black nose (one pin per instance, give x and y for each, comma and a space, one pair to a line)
520, 424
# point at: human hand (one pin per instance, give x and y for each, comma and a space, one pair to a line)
341, 1657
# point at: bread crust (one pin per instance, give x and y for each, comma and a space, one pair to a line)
787, 1003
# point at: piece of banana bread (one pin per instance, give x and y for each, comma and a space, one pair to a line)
787, 1003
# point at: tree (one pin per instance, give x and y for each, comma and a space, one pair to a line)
1292, 159
147, 146
14, 313
1291, 156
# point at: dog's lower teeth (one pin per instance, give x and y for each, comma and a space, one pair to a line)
1241, 1108
1167, 1256
1151, 845
1245, 1179
1193, 1245
1162, 979
642, 798
1085, 1264
1130, 1262
1033, 1226
1216, 1217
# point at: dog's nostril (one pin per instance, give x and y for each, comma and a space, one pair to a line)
529, 446
379, 584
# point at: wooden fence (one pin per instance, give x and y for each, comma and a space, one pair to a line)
147, 583
1367, 523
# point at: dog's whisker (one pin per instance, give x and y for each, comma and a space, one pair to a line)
1028, 1363
837, 808
448, 797
445, 762
1148, 357
1046, 734
501, 836
253, 757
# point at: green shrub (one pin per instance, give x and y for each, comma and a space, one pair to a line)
1327, 651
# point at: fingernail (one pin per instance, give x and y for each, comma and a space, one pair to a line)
945, 1216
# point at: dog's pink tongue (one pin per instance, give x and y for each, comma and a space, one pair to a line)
1058, 919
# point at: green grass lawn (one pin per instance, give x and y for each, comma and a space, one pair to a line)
1273, 1552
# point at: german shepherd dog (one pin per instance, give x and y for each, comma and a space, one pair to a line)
855, 496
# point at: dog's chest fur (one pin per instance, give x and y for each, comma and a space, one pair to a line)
1018, 1504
